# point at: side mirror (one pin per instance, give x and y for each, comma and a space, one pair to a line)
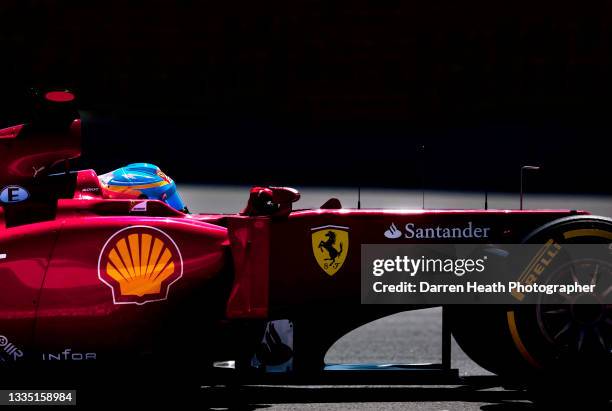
271, 201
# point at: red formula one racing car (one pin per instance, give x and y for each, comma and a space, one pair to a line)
93, 270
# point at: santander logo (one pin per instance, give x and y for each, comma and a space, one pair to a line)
414, 231
393, 232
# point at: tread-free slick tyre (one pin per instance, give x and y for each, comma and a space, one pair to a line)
517, 341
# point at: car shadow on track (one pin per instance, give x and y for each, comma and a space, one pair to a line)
261, 397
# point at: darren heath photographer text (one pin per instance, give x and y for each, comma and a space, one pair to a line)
458, 267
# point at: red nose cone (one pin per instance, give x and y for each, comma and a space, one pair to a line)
59, 96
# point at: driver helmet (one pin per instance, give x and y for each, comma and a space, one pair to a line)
143, 180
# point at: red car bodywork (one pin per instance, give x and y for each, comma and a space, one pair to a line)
53, 297
277, 273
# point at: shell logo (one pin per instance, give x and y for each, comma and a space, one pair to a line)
139, 264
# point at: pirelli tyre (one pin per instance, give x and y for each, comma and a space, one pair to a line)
562, 341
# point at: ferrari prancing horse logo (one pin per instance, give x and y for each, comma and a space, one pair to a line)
330, 246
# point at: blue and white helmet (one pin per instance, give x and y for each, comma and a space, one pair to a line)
143, 180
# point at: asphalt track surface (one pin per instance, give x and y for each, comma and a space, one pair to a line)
411, 337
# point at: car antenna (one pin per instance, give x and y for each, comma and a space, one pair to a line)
486, 182
422, 149
359, 198
522, 192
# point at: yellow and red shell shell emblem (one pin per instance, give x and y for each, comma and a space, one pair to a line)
139, 264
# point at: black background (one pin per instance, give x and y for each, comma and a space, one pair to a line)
329, 92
